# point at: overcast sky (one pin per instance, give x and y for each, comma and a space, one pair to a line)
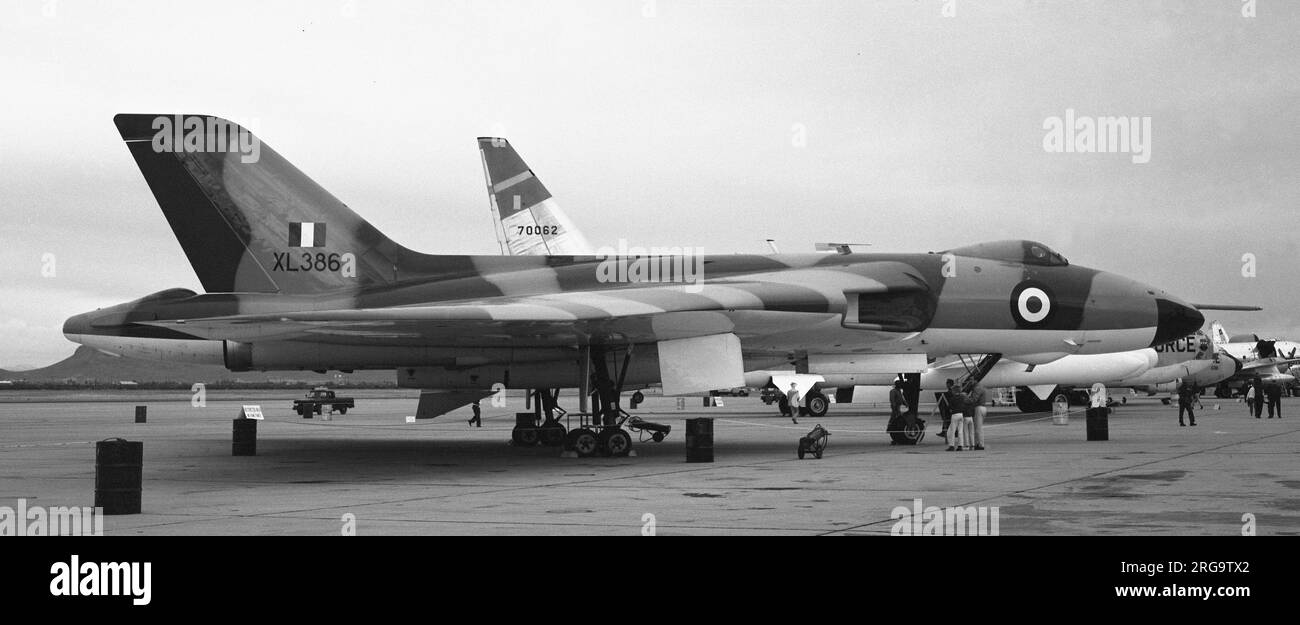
711, 124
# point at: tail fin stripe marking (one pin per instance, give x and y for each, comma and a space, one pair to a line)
511, 181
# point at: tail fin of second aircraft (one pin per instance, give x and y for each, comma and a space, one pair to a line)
248, 220
1218, 334
532, 222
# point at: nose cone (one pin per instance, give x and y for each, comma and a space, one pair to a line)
1174, 320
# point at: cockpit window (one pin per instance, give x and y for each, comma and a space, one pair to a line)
1045, 256
1027, 252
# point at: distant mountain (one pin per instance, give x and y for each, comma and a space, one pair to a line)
89, 365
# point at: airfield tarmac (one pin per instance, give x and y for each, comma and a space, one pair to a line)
443, 477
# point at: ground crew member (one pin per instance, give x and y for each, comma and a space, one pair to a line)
477, 419
960, 423
897, 408
1274, 394
945, 408
1187, 396
792, 400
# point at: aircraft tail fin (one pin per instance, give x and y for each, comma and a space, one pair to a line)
531, 221
1218, 334
247, 219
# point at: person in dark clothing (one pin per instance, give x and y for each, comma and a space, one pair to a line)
1187, 396
897, 408
1258, 386
477, 419
946, 407
1274, 394
962, 425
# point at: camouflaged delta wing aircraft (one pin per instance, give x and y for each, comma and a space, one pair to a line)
296, 280
541, 226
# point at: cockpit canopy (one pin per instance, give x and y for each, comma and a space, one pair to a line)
1013, 251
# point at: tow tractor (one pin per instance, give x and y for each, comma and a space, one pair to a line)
320, 397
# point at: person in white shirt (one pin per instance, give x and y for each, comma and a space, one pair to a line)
960, 424
792, 400
977, 403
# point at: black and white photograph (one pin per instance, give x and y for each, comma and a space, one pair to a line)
650, 268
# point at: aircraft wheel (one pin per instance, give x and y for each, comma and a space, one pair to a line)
584, 442
817, 404
524, 437
913, 432
615, 442
553, 435
343, 409
910, 434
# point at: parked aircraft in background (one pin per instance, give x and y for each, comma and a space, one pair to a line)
1267, 359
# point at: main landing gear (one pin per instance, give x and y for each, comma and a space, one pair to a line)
546, 426
542, 426
600, 430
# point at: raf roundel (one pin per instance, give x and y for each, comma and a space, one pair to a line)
1031, 304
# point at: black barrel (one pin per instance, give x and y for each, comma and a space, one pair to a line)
699, 440
1098, 425
245, 438
118, 473
140, 412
